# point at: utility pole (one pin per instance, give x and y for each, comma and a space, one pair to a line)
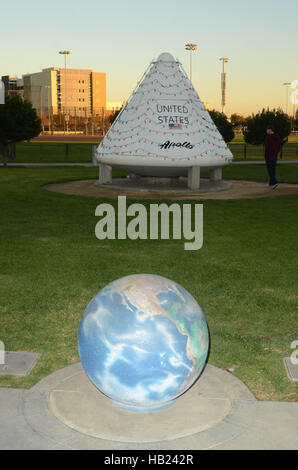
223, 83
66, 117
190, 47
40, 108
49, 112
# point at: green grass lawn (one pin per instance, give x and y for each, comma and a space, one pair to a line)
286, 173
245, 276
53, 152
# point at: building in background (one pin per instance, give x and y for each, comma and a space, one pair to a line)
66, 100
13, 85
74, 92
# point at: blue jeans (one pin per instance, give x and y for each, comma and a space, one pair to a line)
271, 164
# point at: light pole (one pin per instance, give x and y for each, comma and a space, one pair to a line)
49, 113
287, 84
190, 47
40, 108
223, 83
65, 53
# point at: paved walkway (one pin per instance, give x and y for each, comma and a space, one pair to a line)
36, 418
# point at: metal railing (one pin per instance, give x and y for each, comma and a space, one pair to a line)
75, 120
242, 151
81, 152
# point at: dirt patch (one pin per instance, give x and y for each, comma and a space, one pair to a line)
239, 190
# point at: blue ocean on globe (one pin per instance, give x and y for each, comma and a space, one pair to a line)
143, 341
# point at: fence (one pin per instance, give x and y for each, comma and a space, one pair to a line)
77, 152
53, 152
243, 151
76, 121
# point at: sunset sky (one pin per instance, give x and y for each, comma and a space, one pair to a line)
121, 37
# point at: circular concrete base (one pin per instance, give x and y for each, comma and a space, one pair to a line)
239, 190
80, 405
165, 185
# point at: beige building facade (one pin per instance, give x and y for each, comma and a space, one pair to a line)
79, 92
41, 89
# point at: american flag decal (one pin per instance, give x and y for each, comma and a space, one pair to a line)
172, 125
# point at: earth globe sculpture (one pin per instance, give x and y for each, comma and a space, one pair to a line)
143, 341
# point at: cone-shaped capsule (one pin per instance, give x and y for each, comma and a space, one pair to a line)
164, 127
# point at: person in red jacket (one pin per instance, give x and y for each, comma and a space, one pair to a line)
273, 144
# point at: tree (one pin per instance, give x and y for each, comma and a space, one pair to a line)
256, 125
237, 120
113, 116
223, 125
18, 121
296, 120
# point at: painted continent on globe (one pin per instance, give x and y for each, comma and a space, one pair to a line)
143, 341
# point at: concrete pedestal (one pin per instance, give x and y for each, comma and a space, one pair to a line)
193, 180
105, 174
77, 403
200, 419
163, 186
94, 159
216, 174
